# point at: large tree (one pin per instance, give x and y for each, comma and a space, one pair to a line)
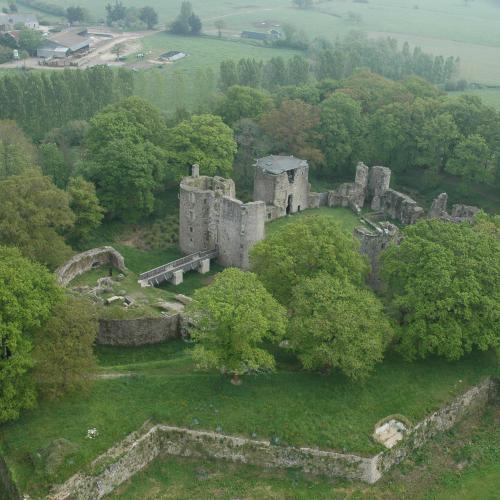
149, 17
64, 356
28, 293
84, 203
293, 128
335, 324
232, 317
443, 286
126, 157
305, 248
34, 214
203, 139
17, 152
243, 102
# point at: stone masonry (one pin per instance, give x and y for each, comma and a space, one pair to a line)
282, 183
212, 218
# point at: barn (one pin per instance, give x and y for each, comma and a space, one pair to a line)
63, 44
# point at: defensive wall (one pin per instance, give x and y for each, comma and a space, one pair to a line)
150, 442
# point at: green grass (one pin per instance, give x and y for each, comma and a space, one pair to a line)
299, 408
343, 216
431, 473
491, 97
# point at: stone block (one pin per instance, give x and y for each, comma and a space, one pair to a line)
177, 278
204, 266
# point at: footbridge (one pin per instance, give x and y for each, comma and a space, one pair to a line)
174, 271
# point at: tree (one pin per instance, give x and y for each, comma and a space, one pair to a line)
84, 203
243, 102
292, 127
219, 25
274, 73
75, 14
203, 139
28, 293
335, 324
305, 248
228, 74
53, 164
126, 157
64, 355
443, 287
29, 40
148, 16
116, 12
34, 213
17, 153
195, 24
249, 72
342, 129
473, 160
118, 50
232, 317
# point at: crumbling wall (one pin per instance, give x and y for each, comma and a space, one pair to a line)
378, 183
400, 207
140, 448
276, 190
241, 226
198, 199
141, 331
83, 262
459, 212
351, 194
372, 243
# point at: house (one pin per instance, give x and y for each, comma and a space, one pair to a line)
64, 44
9, 21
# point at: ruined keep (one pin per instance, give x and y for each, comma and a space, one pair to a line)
282, 183
212, 218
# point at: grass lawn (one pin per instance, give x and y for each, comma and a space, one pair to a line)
343, 216
437, 471
298, 408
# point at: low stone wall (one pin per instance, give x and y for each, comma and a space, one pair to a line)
142, 447
141, 331
83, 262
440, 421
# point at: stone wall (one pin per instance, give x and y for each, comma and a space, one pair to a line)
142, 331
241, 226
442, 420
83, 262
400, 207
459, 212
372, 243
142, 447
351, 194
276, 189
199, 198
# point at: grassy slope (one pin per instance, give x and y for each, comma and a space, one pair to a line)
490, 97
299, 408
432, 473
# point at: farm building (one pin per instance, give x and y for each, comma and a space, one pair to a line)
260, 35
9, 21
63, 44
172, 56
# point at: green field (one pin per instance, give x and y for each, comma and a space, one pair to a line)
297, 408
450, 27
491, 97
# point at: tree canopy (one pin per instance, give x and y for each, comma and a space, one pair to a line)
232, 317
305, 248
34, 215
202, 139
443, 287
28, 294
335, 324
